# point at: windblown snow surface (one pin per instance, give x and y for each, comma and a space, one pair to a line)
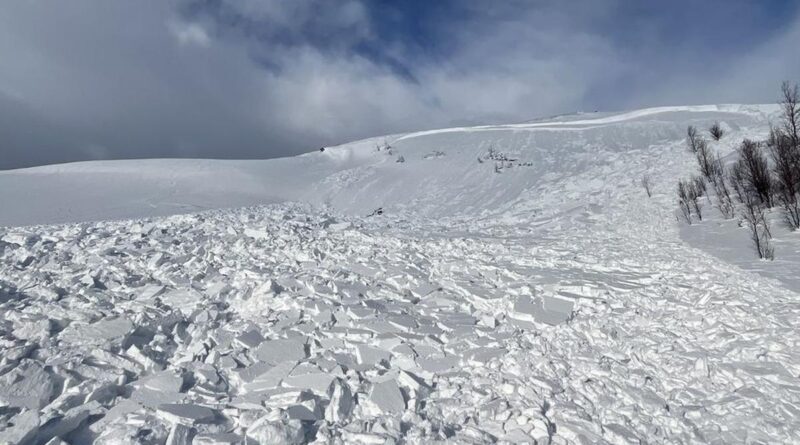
544, 299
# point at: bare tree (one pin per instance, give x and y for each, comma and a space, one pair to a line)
688, 193
699, 186
784, 145
705, 159
790, 106
755, 169
786, 170
753, 215
737, 181
721, 190
646, 183
697, 190
691, 138
684, 201
716, 131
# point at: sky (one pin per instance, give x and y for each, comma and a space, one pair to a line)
240, 79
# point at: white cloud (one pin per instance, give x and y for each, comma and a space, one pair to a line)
281, 77
189, 33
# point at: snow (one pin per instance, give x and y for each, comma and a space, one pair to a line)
186, 413
544, 300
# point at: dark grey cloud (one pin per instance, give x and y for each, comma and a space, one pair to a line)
90, 79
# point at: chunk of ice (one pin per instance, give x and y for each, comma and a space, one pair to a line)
386, 398
286, 349
187, 413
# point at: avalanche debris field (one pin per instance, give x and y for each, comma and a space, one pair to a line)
548, 302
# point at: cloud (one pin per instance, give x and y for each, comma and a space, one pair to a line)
190, 34
758, 73
248, 78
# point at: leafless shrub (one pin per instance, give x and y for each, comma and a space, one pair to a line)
790, 106
753, 214
755, 169
724, 200
688, 194
697, 190
646, 183
786, 170
383, 147
699, 185
784, 144
736, 179
705, 158
684, 201
691, 138
716, 131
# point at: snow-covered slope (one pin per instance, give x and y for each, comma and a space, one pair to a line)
440, 176
541, 299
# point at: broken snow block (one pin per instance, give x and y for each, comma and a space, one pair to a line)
267, 430
112, 331
414, 385
184, 300
270, 378
386, 398
341, 401
307, 407
317, 382
556, 310
138, 356
227, 362
250, 372
256, 234
543, 309
286, 349
114, 415
22, 429
339, 226
103, 393
517, 435
69, 421
424, 289
150, 291
371, 356
166, 381
484, 354
217, 439
32, 329
26, 386
153, 398
250, 339
438, 364
179, 435
186, 413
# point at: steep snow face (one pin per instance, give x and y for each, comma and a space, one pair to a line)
440, 175
548, 301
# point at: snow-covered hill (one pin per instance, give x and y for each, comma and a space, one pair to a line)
518, 286
441, 175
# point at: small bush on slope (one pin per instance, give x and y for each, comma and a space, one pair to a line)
688, 198
716, 131
755, 167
